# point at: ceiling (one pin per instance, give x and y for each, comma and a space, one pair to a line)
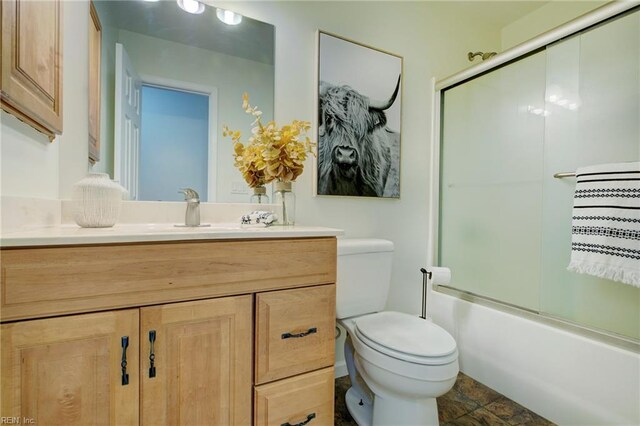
250, 39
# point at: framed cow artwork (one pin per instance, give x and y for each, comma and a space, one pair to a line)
359, 102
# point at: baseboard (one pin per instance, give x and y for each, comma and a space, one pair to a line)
340, 369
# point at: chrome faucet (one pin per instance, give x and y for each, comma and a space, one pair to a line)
192, 216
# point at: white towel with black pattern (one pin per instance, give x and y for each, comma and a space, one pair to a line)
605, 229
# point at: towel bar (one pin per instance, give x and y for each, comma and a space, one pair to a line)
564, 175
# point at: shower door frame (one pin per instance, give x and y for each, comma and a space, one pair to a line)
514, 54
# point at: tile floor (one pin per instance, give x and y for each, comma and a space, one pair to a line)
469, 403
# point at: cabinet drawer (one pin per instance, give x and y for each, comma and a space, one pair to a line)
47, 281
305, 398
295, 331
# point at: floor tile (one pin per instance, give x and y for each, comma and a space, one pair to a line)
468, 403
529, 418
454, 404
475, 391
342, 416
514, 413
505, 409
479, 417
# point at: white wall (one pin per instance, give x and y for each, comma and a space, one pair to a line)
33, 167
549, 16
74, 148
436, 45
21, 150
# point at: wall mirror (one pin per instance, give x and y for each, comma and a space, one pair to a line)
172, 73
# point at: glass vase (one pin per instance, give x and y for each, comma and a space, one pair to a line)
259, 195
285, 200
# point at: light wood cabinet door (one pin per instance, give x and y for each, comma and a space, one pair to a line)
295, 331
95, 53
202, 360
301, 400
31, 83
69, 371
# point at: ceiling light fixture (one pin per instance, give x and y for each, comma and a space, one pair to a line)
228, 17
191, 6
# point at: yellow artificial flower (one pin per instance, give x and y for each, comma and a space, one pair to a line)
271, 153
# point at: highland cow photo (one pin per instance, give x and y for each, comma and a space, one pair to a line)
359, 119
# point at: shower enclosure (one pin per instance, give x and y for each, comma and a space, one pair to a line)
504, 223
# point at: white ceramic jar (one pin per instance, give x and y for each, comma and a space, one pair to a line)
97, 201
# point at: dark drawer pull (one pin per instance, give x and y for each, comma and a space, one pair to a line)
296, 335
152, 355
123, 361
309, 418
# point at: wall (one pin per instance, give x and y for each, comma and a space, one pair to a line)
31, 165
21, 149
436, 46
551, 15
174, 144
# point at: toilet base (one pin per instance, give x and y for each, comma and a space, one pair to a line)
360, 410
389, 411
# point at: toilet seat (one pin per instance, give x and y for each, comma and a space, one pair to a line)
406, 338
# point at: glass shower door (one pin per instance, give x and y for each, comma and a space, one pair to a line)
505, 222
491, 183
593, 99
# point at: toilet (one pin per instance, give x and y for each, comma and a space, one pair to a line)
398, 363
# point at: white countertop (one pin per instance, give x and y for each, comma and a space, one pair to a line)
130, 233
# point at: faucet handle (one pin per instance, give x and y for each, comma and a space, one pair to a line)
190, 194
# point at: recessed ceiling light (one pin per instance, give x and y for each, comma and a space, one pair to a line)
228, 17
191, 6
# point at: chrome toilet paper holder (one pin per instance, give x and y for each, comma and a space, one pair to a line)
426, 275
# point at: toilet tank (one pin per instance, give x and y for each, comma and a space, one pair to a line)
364, 276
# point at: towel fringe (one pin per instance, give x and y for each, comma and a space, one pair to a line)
627, 276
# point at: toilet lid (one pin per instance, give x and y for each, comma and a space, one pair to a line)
405, 336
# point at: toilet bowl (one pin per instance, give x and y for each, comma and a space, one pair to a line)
398, 363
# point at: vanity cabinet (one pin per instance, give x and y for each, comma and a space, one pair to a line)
72, 371
198, 318
31, 82
68, 370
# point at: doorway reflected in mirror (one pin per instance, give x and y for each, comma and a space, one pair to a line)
163, 47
